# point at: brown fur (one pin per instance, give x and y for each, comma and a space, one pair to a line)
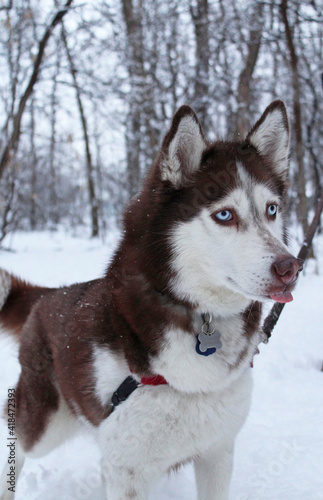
22, 297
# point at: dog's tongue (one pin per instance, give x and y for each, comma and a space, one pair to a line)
282, 297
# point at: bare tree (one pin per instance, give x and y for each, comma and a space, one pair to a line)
33, 168
243, 120
12, 142
9, 207
132, 15
200, 18
163, 54
53, 196
297, 110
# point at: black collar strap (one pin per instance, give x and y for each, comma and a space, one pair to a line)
124, 390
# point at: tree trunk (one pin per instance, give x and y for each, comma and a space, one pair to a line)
243, 121
89, 165
33, 166
200, 18
133, 21
53, 198
303, 210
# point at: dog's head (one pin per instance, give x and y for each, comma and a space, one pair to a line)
216, 214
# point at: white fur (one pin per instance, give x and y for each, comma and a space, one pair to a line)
109, 371
271, 137
196, 276
196, 416
189, 372
219, 267
5, 285
158, 427
187, 145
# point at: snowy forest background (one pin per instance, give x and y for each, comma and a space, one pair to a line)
87, 94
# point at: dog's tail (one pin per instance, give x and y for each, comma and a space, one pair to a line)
17, 298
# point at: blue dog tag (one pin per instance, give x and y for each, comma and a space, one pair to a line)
208, 344
208, 341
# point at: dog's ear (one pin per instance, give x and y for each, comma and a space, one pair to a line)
270, 136
182, 148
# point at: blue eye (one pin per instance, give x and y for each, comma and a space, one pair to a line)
272, 210
224, 215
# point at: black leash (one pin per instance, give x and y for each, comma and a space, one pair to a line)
272, 318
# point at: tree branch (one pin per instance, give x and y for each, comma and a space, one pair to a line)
14, 137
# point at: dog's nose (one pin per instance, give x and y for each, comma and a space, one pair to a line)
286, 269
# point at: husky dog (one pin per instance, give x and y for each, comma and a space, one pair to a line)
178, 309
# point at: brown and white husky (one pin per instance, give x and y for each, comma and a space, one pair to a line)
178, 309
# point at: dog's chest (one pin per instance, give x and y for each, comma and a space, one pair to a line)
188, 370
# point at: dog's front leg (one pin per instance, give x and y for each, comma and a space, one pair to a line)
147, 435
124, 478
213, 470
124, 482
130, 442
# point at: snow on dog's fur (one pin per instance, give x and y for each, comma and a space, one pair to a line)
204, 237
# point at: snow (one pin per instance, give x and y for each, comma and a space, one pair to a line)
279, 452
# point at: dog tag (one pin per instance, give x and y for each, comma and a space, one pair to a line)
208, 341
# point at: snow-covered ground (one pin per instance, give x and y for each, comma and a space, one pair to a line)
279, 453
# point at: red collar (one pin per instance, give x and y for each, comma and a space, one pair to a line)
155, 380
